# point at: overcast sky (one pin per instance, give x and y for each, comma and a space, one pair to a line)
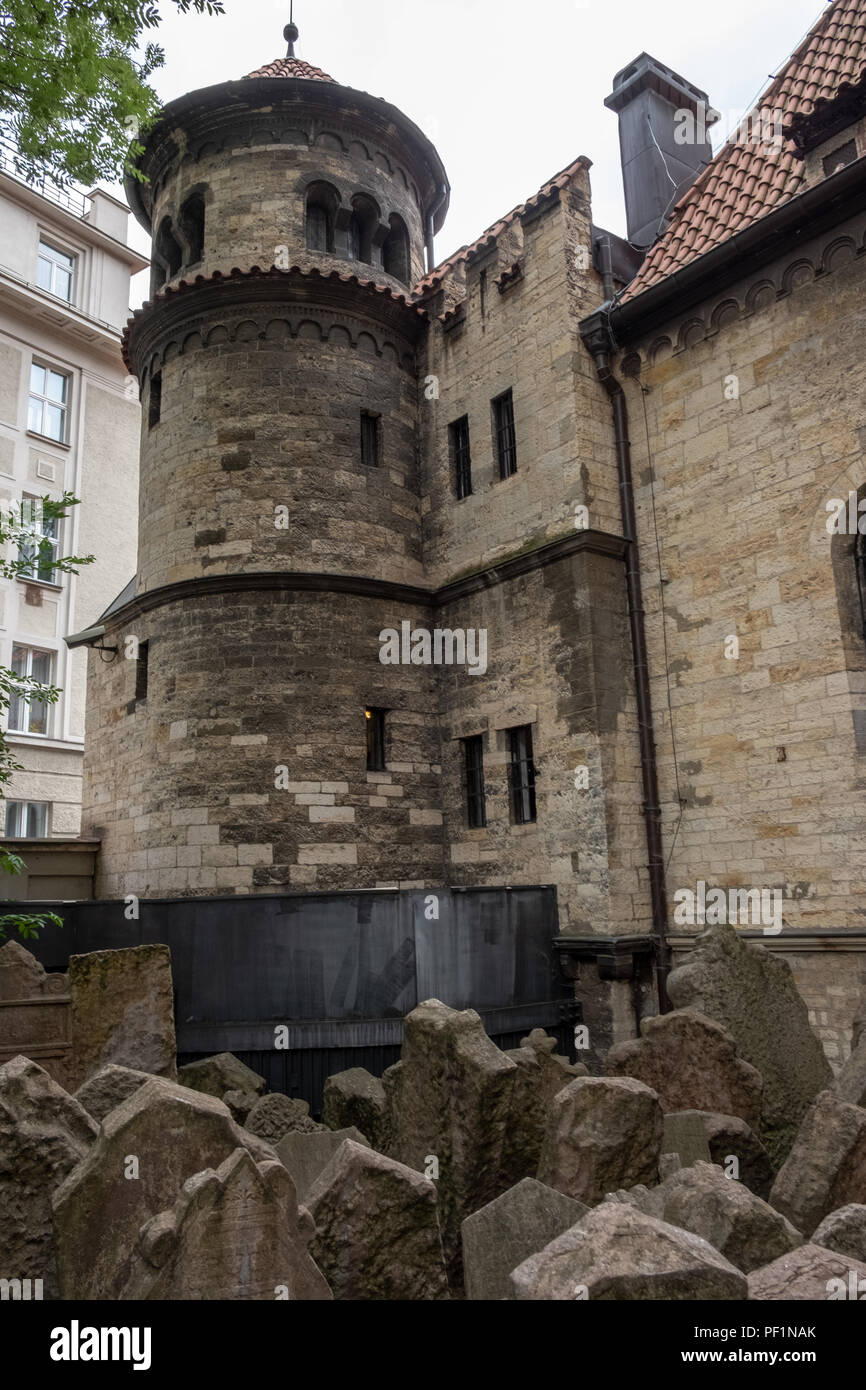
509, 93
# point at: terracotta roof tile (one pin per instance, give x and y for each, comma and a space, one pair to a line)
746, 180
437, 275
256, 272
291, 67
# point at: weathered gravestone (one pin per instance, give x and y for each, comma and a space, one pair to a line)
851, 1081
220, 1073
235, 1234
109, 1087
44, 1134
691, 1062
274, 1116
844, 1231
34, 1013
307, 1155
503, 1234
742, 1227
603, 1133
146, 1149
810, 1273
826, 1168
122, 1011
752, 993
685, 1136
541, 1074
616, 1252
355, 1098
736, 1148
377, 1234
448, 1108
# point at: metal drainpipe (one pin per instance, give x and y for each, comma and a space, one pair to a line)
649, 768
430, 232
605, 266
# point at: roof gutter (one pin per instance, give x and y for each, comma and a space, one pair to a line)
597, 340
823, 205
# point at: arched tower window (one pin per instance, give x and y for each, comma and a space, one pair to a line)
167, 256
191, 224
362, 229
321, 210
355, 238
395, 250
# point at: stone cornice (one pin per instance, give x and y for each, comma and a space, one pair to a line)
189, 312
830, 940
593, 542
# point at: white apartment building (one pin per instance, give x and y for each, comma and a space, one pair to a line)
69, 421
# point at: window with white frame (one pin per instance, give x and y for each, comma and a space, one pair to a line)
42, 546
48, 406
26, 820
55, 271
30, 716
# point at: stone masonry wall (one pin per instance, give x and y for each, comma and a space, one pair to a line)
184, 789
770, 744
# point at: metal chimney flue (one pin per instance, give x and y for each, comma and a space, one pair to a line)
663, 139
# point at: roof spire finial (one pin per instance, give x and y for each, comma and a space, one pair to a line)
290, 33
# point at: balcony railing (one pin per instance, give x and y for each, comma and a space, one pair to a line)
70, 199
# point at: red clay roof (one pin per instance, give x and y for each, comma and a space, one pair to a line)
291, 67
748, 179
180, 287
435, 277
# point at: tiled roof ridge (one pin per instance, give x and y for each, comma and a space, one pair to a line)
256, 272
741, 185
434, 277
292, 68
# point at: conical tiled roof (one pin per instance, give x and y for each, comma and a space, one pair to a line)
745, 180
291, 67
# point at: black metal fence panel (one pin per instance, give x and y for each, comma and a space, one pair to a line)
339, 971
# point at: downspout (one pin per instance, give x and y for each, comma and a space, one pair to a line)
649, 767
605, 267
430, 230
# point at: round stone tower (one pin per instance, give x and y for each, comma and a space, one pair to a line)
236, 736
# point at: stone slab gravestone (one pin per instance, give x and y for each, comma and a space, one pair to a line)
234, 1233
617, 1252
377, 1230
508, 1230
44, 1135
34, 1013
146, 1150
123, 1011
307, 1155
752, 993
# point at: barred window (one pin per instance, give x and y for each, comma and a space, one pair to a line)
461, 460
503, 426
522, 770
476, 806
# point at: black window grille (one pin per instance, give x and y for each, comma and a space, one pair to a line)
141, 672
522, 770
370, 439
375, 739
506, 443
154, 403
461, 459
476, 805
